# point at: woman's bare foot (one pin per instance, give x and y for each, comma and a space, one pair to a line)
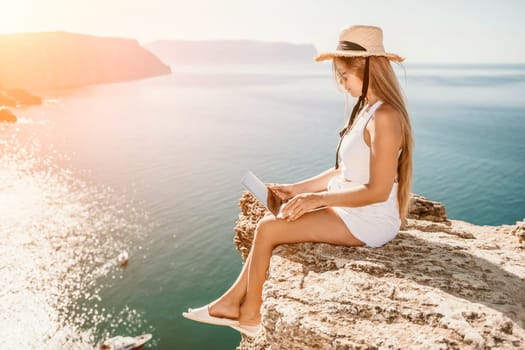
250, 315
224, 307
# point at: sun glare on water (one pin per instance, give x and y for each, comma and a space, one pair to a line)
58, 235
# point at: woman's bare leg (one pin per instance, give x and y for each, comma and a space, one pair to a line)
322, 225
228, 304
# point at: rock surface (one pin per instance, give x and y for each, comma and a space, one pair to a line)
442, 284
18, 98
7, 116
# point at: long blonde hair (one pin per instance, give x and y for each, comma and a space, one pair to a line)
384, 83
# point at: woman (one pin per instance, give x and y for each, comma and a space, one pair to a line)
365, 199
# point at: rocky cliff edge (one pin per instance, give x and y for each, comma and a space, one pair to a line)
440, 284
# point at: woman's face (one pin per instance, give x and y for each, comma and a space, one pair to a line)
349, 80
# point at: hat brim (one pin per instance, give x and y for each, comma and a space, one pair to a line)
349, 53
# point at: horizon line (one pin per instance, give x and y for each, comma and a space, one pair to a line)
146, 42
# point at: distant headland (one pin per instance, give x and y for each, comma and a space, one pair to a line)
64, 60
59, 60
231, 51
51, 60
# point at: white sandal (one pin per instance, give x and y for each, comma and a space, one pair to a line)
202, 314
250, 331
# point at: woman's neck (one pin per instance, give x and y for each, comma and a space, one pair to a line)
371, 99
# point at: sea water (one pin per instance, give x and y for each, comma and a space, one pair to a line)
153, 167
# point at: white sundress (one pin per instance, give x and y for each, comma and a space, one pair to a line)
374, 224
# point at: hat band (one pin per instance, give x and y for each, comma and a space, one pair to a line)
349, 45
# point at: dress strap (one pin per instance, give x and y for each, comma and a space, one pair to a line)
375, 106
370, 113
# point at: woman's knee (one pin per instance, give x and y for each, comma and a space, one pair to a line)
268, 217
266, 229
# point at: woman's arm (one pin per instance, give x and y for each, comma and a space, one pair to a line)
316, 183
385, 141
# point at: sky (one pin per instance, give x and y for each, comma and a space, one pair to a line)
447, 31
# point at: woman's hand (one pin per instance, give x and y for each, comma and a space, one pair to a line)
284, 191
301, 204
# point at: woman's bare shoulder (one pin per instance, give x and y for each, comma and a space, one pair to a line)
386, 124
386, 117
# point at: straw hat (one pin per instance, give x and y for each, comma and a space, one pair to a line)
360, 41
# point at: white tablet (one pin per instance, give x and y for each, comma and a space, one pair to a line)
263, 194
